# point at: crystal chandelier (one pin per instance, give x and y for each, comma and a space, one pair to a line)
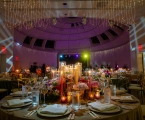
31, 13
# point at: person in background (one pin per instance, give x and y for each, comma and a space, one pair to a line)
43, 69
34, 67
31, 68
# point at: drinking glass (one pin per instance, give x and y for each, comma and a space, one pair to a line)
24, 92
75, 100
44, 91
113, 90
35, 97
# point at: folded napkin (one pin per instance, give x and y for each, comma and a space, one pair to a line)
126, 98
122, 98
54, 109
102, 106
16, 102
19, 93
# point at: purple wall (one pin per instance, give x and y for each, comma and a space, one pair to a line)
119, 55
27, 56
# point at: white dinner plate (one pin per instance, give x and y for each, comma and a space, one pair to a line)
69, 110
17, 106
118, 109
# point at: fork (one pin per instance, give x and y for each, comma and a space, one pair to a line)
31, 112
28, 113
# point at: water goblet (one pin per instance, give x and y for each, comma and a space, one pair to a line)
44, 91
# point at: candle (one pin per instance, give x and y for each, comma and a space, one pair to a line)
91, 95
61, 82
17, 71
63, 99
69, 97
20, 75
97, 95
76, 76
52, 73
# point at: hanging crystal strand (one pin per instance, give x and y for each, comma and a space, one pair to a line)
39, 7
91, 15
130, 9
134, 11
47, 15
5, 15
11, 15
34, 13
119, 7
28, 14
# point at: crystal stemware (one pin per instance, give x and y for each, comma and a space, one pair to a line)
44, 90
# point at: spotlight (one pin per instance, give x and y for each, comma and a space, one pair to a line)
54, 21
77, 55
61, 56
85, 56
18, 43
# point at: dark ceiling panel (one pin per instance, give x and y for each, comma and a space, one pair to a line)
50, 44
95, 40
38, 42
27, 40
112, 32
104, 36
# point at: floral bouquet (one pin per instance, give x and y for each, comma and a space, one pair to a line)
80, 87
95, 85
53, 86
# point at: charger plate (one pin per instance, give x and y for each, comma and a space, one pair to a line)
69, 110
17, 106
118, 109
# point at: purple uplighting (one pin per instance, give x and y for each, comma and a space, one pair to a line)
77, 55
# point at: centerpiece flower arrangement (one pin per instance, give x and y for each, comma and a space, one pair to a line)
53, 86
81, 87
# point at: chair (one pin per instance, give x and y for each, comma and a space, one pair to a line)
3, 92
123, 82
143, 110
17, 85
140, 86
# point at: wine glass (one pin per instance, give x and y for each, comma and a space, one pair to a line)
44, 90
40, 92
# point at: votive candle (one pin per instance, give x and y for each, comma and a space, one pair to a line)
63, 99
91, 95
97, 94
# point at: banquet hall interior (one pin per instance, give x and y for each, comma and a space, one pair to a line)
72, 59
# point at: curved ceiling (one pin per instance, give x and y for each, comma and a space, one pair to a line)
71, 35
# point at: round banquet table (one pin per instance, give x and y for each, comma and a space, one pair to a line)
131, 114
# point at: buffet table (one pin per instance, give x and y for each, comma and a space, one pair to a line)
130, 111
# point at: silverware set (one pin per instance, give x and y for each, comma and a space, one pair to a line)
93, 114
71, 116
29, 114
